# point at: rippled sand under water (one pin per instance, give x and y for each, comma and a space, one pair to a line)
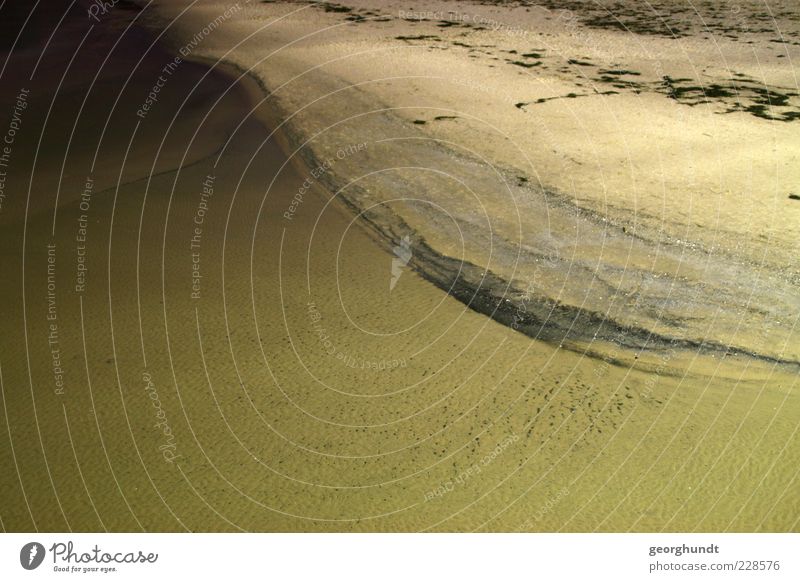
310, 379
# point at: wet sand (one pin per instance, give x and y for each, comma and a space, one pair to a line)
250, 351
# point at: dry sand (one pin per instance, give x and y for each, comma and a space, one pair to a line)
319, 379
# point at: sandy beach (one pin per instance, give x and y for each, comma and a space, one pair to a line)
452, 266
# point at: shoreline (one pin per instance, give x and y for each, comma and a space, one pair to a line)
545, 316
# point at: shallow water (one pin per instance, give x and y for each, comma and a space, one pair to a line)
243, 358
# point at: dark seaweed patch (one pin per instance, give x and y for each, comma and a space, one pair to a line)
670, 19
763, 112
693, 94
526, 65
418, 37
620, 72
540, 100
636, 22
335, 7
738, 94
613, 77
